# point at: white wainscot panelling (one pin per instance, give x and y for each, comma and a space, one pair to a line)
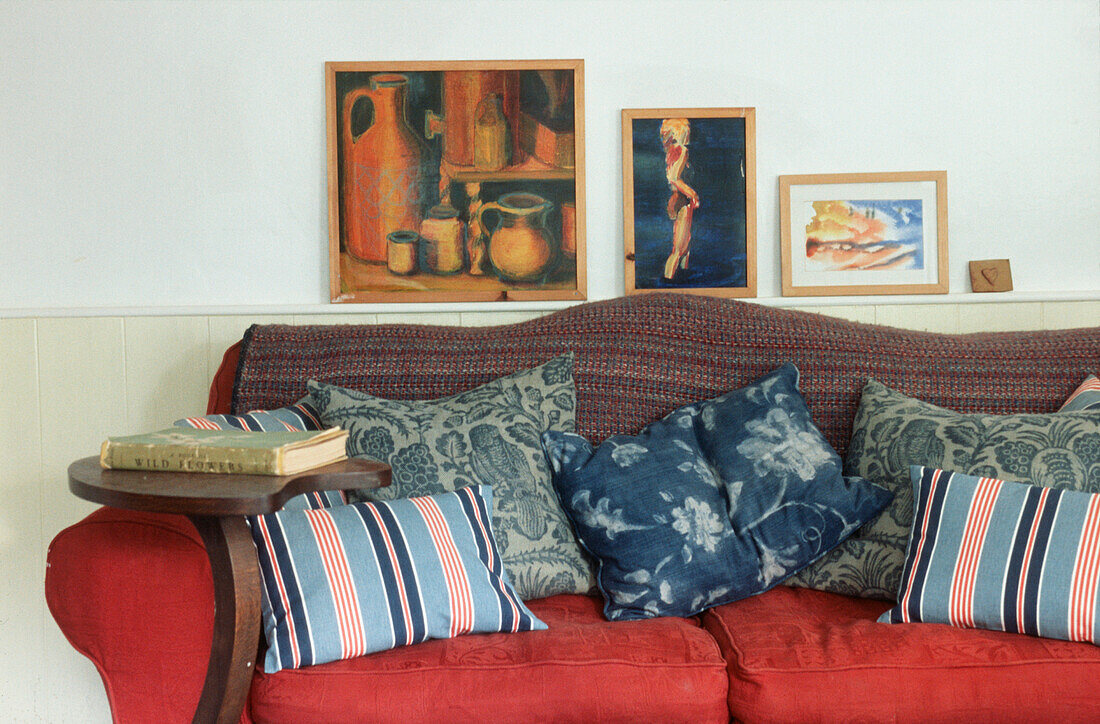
167, 375
922, 317
22, 559
420, 318
853, 313
488, 319
335, 319
1069, 315
993, 317
82, 401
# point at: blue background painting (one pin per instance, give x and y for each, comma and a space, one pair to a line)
715, 155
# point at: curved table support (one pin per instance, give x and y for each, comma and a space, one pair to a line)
236, 574
217, 505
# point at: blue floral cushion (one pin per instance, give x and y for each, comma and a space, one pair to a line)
717, 501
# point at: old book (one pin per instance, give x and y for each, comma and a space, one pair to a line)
182, 449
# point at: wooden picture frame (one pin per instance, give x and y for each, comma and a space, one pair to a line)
421, 154
690, 173
864, 233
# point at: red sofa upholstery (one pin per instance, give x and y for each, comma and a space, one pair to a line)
132, 590
844, 666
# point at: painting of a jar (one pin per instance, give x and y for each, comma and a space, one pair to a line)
459, 181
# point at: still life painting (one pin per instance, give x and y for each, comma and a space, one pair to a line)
456, 181
689, 200
864, 233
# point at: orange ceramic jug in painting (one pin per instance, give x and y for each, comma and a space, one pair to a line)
521, 248
381, 186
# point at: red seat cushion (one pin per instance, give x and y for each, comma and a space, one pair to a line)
582, 669
797, 655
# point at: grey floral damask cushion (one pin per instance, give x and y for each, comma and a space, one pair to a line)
893, 431
489, 435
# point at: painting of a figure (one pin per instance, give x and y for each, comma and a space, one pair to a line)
864, 233
689, 200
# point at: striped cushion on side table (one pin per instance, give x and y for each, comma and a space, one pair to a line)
302, 415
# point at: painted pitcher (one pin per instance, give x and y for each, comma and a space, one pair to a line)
521, 247
381, 185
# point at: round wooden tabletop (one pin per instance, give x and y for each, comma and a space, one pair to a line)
213, 493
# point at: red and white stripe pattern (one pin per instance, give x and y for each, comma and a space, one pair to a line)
334, 557
1086, 578
966, 566
265, 531
309, 414
324, 602
202, 423
491, 562
399, 579
921, 542
1025, 568
293, 418
454, 572
1085, 397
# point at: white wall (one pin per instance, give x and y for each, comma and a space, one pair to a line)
172, 154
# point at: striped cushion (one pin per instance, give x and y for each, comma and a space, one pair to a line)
350, 580
315, 500
1003, 556
302, 415
1085, 397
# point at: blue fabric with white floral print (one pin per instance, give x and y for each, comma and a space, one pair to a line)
717, 501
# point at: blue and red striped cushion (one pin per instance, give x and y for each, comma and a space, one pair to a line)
1085, 397
1005, 556
302, 415
349, 580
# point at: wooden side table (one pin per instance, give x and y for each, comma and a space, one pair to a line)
217, 504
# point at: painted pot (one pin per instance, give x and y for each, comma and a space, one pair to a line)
381, 185
521, 246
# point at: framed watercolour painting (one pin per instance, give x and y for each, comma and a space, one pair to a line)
864, 233
456, 181
689, 200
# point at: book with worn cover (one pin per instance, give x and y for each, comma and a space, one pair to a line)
181, 449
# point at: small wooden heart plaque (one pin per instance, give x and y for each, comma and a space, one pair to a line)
991, 275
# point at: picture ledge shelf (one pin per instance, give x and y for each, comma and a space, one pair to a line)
436, 307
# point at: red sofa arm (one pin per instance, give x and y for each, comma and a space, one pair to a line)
132, 592
220, 401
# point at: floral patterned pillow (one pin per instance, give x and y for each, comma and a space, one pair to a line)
485, 436
715, 502
892, 431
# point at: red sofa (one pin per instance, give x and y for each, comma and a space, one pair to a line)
132, 591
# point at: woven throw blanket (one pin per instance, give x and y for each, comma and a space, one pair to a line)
640, 357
